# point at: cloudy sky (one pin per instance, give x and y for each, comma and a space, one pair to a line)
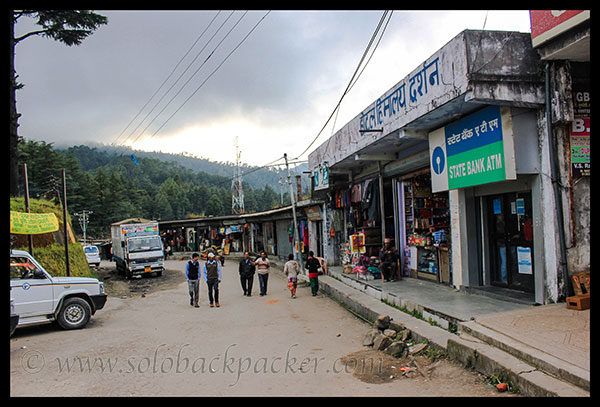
275, 92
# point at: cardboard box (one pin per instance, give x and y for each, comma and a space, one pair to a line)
578, 302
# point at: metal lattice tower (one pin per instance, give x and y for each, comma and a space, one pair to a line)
237, 191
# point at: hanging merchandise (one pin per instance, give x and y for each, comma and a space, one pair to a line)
355, 195
305, 238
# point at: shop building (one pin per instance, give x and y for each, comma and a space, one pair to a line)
452, 164
271, 231
562, 40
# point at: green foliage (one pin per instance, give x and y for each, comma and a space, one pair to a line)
52, 258
115, 188
70, 27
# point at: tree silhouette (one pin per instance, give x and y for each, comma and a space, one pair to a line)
70, 27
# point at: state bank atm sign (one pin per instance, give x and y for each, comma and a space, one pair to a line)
477, 149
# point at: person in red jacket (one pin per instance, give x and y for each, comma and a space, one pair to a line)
313, 266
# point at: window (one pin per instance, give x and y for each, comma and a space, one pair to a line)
144, 244
22, 268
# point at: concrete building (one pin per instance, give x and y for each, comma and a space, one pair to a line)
452, 163
562, 39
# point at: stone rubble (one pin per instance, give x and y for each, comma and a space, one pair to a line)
391, 338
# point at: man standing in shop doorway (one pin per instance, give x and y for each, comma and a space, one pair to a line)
390, 260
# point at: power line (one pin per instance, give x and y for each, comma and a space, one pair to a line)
181, 75
212, 73
359, 75
350, 83
167, 78
205, 80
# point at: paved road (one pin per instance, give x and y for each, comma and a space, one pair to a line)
157, 344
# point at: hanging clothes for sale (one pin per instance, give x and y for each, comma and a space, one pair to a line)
305, 237
355, 194
371, 200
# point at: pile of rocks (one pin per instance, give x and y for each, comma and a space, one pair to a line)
391, 338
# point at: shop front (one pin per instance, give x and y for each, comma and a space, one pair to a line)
494, 198
454, 162
423, 228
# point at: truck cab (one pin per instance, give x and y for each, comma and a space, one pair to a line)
137, 248
38, 297
144, 254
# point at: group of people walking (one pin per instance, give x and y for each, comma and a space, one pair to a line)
212, 275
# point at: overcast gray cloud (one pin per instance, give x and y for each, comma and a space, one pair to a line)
275, 92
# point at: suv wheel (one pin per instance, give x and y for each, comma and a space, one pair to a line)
74, 313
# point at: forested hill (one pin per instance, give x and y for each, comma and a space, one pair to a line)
97, 154
114, 187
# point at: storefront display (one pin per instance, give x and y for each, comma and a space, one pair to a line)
426, 217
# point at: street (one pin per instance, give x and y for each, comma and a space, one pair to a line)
154, 343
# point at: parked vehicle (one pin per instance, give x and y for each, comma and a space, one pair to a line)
137, 248
39, 297
92, 255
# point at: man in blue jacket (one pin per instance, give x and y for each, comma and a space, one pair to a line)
191, 274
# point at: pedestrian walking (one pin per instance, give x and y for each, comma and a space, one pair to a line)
313, 266
246, 270
263, 266
212, 275
291, 270
191, 274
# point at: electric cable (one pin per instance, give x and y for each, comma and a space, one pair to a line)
212, 73
167, 78
180, 76
349, 83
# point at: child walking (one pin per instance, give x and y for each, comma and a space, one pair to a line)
291, 270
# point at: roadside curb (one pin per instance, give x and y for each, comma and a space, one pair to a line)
470, 351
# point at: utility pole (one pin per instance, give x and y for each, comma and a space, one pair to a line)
83, 222
296, 232
64, 181
29, 236
280, 190
237, 191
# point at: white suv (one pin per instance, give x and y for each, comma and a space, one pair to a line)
92, 255
38, 297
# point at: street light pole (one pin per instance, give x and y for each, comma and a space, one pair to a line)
296, 232
65, 223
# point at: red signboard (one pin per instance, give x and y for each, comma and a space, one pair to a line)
546, 24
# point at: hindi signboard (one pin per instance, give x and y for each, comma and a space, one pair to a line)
32, 223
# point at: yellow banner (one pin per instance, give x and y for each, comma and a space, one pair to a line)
32, 223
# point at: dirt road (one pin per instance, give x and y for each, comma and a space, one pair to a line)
149, 341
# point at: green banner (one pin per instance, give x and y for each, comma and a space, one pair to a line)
32, 223
477, 166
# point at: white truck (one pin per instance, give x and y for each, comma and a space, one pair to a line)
37, 297
137, 248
